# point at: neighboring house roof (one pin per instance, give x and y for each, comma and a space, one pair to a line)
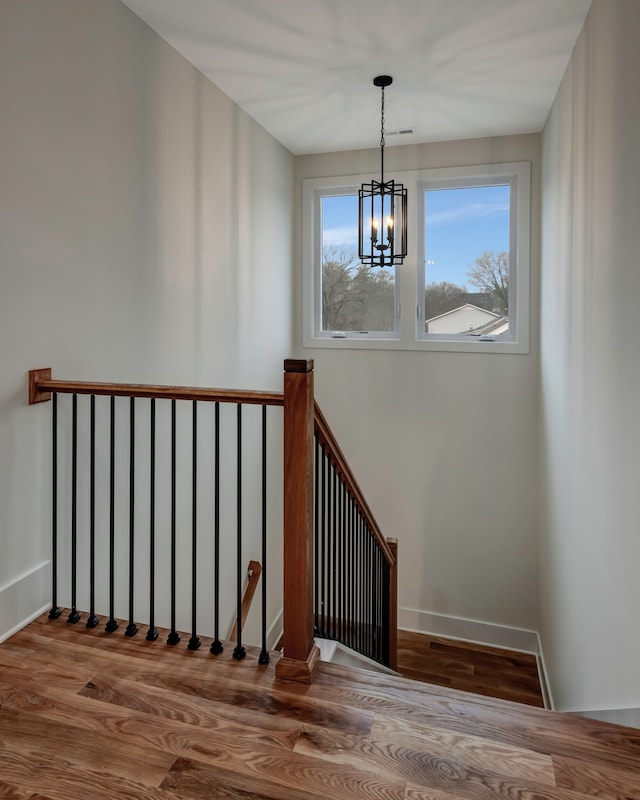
494, 327
464, 319
459, 309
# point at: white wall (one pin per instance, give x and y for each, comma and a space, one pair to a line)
145, 235
590, 371
444, 444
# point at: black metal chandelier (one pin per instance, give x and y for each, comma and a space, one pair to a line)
382, 210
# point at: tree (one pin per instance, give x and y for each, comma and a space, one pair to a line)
354, 296
442, 297
491, 274
338, 266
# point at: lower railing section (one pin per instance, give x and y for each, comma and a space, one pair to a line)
354, 566
155, 491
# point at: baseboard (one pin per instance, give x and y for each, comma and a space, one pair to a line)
469, 630
629, 717
544, 679
275, 630
24, 599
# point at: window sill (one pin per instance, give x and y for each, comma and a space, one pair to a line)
426, 345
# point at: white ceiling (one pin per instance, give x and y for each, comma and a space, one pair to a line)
304, 68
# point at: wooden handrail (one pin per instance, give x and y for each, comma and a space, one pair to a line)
254, 570
41, 386
335, 454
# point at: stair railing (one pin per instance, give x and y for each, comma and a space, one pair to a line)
108, 451
355, 594
340, 573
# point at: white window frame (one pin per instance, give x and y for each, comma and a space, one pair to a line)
410, 276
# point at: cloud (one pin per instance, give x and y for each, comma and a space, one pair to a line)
468, 213
342, 236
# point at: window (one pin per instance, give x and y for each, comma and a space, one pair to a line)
354, 298
466, 278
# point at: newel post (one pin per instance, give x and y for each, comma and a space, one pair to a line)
300, 657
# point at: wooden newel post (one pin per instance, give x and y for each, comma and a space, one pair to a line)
301, 656
393, 605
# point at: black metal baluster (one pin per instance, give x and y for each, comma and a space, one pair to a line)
132, 628
239, 651
354, 566
386, 602
152, 633
74, 616
323, 547
343, 572
332, 553
264, 653
339, 565
349, 571
194, 641
359, 582
363, 582
216, 646
173, 637
372, 603
376, 596
112, 625
370, 590
365, 587
381, 561
55, 611
316, 538
93, 619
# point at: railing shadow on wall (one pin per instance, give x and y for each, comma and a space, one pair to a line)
160, 493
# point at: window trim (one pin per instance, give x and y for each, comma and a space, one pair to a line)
410, 275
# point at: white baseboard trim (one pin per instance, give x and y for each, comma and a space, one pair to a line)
544, 679
469, 630
275, 630
630, 717
24, 599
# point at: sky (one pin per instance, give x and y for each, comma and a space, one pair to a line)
461, 225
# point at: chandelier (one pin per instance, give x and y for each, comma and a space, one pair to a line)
382, 209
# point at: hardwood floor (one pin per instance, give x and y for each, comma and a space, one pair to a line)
490, 671
85, 714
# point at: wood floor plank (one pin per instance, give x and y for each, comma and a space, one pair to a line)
502, 721
420, 793
317, 778
70, 677
466, 666
416, 765
143, 730
58, 779
280, 700
34, 736
185, 709
95, 653
468, 750
197, 781
8, 792
601, 782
